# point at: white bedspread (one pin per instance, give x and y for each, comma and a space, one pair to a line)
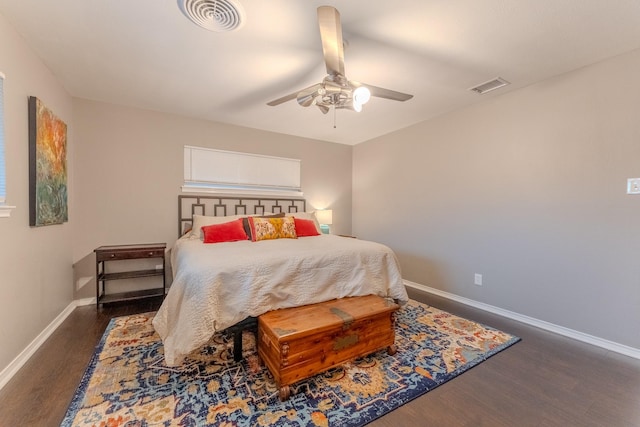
218, 285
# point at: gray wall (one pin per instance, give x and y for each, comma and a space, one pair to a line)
35, 263
129, 169
527, 189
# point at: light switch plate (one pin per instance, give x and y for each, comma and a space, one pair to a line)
633, 186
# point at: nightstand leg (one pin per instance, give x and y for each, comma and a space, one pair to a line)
97, 286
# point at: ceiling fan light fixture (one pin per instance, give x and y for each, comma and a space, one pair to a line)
323, 108
336, 90
361, 95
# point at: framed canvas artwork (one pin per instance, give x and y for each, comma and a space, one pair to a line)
47, 166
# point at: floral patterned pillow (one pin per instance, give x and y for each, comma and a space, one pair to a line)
272, 228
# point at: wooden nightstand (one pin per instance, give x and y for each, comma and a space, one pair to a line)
128, 252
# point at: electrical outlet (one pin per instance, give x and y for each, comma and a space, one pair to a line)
477, 279
633, 186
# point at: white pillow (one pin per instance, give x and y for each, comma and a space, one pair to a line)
307, 215
200, 221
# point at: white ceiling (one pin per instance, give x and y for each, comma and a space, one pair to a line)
147, 54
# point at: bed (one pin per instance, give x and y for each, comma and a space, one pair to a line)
218, 285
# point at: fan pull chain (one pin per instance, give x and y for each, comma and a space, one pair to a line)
334, 116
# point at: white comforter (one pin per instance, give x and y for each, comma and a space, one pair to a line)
218, 285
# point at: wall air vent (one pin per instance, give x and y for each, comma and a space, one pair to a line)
485, 87
214, 15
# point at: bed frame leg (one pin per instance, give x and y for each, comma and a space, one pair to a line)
251, 324
237, 345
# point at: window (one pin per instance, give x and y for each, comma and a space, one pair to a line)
4, 210
209, 170
3, 186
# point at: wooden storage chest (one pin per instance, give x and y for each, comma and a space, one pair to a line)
299, 342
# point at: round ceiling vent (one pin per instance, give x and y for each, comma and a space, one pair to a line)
214, 15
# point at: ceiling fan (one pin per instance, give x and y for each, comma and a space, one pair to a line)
336, 90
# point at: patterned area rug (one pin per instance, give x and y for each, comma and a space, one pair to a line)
128, 384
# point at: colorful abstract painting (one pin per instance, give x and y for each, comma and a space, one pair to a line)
47, 166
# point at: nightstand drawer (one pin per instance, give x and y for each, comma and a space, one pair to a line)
129, 254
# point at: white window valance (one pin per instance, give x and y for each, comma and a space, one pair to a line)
210, 170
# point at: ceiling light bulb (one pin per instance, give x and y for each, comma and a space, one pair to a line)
361, 95
357, 106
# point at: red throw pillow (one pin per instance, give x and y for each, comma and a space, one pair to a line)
305, 227
226, 232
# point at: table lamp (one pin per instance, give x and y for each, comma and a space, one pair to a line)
325, 218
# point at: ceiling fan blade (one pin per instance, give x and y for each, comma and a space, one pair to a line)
331, 35
382, 92
283, 99
293, 95
307, 95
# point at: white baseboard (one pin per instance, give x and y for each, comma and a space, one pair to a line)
561, 330
7, 373
85, 301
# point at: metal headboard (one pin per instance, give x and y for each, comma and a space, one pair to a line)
189, 205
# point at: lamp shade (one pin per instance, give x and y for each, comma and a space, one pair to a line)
325, 216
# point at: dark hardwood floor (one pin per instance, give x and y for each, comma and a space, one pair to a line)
544, 380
